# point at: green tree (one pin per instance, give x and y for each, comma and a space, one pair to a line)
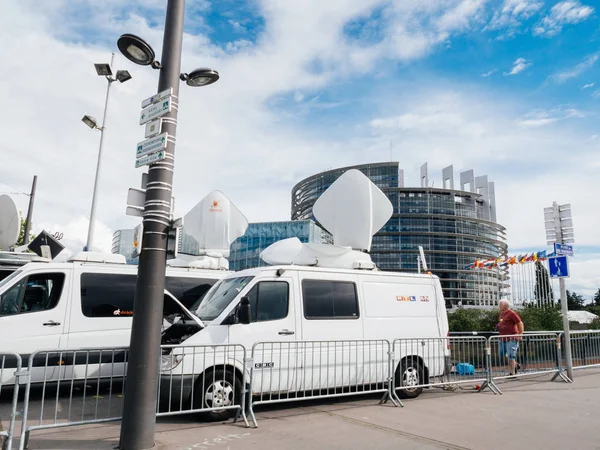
21, 240
597, 298
543, 288
575, 302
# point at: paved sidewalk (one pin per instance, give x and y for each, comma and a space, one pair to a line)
531, 414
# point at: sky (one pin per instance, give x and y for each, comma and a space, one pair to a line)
508, 88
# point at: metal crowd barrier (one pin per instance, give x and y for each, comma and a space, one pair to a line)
86, 386
532, 353
10, 372
439, 362
585, 349
307, 370
205, 379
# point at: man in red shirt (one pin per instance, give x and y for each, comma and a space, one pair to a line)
511, 326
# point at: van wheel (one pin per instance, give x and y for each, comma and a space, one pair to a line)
409, 373
219, 389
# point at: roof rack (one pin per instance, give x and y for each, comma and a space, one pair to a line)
106, 258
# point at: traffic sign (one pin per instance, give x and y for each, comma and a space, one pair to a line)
157, 97
563, 249
153, 128
152, 145
149, 159
559, 267
156, 110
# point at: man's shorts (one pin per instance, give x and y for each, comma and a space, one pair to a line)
508, 348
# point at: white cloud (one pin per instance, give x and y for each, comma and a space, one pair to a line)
586, 64
491, 72
587, 86
512, 14
519, 66
596, 93
546, 117
563, 13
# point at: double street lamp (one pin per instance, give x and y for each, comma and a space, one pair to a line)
103, 70
139, 408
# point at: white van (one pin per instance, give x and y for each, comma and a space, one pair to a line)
294, 304
86, 302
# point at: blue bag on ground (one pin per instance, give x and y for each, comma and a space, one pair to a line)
465, 369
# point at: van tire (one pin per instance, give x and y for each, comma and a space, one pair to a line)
218, 388
409, 372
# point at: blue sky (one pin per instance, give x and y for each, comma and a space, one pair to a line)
509, 88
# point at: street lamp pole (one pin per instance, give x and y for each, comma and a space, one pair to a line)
139, 409
90, 236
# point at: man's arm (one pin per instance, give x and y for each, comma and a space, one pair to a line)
521, 327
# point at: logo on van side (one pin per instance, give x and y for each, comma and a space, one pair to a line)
267, 365
413, 298
424, 298
215, 206
121, 312
402, 298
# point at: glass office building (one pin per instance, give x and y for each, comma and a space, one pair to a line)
454, 226
245, 251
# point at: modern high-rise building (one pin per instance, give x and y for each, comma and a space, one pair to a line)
122, 243
455, 226
245, 251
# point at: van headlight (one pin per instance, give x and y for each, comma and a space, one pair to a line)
170, 362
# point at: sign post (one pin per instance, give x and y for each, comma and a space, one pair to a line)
559, 231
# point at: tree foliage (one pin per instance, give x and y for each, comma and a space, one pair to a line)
535, 319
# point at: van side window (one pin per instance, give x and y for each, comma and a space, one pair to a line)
40, 292
269, 300
329, 299
112, 295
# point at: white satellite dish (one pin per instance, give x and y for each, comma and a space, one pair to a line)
10, 222
352, 209
214, 223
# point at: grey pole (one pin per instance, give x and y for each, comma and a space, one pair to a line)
139, 409
30, 212
563, 299
90, 236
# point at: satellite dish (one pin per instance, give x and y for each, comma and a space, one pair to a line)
10, 222
215, 223
353, 209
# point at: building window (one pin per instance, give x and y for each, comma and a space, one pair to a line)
269, 300
329, 299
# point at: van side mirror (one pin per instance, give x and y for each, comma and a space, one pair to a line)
244, 311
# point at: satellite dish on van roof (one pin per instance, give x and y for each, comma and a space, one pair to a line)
10, 222
215, 223
353, 209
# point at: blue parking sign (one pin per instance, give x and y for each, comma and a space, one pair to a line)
558, 267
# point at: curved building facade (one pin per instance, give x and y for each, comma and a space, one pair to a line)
454, 226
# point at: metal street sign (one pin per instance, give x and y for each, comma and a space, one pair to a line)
153, 128
563, 249
156, 110
144, 180
136, 197
149, 159
151, 145
558, 267
157, 97
134, 211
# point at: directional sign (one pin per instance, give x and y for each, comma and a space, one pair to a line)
134, 211
151, 145
149, 159
153, 128
156, 110
157, 97
563, 249
559, 267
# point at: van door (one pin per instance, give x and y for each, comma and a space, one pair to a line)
273, 321
32, 317
331, 313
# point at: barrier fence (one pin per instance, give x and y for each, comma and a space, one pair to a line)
10, 370
85, 386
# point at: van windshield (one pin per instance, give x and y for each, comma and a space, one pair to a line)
220, 296
9, 278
